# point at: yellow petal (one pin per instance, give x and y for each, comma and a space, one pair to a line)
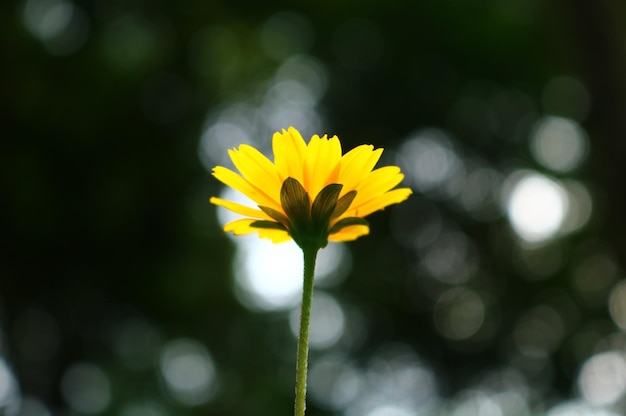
356, 164
289, 149
321, 164
350, 233
242, 227
235, 181
376, 183
257, 169
392, 197
240, 209
276, 236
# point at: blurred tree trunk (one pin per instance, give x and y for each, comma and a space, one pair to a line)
599, 27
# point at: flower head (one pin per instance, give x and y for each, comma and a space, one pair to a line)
311, 193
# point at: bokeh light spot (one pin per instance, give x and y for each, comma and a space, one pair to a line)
396, 375
334, 382
430, 162
559, 144
478, 403
143, 408
47, 19
327, 321
86, 388
188, 371
391, 410
31, 406
579, 408
9, 389
449, 258
536, 207
269, 276
291, 93
579, 206
602, 379
305, 118
305, 70
217, 139
617, 304
459, 313
61, 26
334, 265
479, 193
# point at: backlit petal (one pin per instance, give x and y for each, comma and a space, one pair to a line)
392, 197
240, 209
276, 236
356, 164
377, 183
321, 163
235, 181
289, 150
257, 169
242, 227
350, 233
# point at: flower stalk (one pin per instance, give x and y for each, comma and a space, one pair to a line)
310, 255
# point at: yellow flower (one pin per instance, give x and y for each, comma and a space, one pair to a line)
311, 193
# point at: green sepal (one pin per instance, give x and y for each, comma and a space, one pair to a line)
343, 204
346, 222
268, 224
325, 203
295, 201
277, 215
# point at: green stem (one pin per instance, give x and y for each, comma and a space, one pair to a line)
310, 255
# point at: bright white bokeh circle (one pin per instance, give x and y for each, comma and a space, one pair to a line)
536, 207
602, 379
559, 143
